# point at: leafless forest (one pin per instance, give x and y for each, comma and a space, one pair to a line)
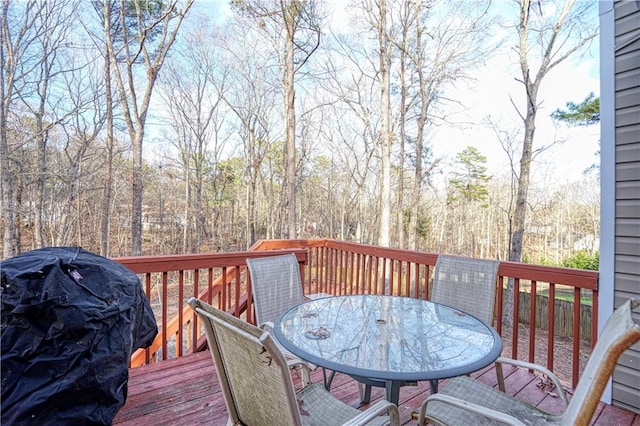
135, 127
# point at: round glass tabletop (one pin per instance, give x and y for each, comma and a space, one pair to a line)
388, 337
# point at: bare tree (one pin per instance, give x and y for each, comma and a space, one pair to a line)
39, 64
81, 163
548, 34
351, 139
402, 41
246, 81
143, 33
104, 10
55, 23
19, 35
448, 42
386, 134
301, 23
426, 47
194, 113
352, 129
376, 16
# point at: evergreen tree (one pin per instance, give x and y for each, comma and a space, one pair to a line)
585, 113
469, 182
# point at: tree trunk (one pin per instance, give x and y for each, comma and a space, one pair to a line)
136, 192
108, 177
8, 205
519, 216
290, 120
403, 119
41, 140
385, 130
6, 187
186, 245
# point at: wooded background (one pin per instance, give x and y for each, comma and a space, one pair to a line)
158, 127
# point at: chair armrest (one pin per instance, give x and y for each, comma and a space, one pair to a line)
304, 366
292, 360
267, 326
297, 362
468, 406
374, 412
523, 364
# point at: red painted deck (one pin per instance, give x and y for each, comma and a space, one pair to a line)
185, 391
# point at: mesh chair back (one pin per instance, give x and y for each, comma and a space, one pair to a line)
466, 284
276, 285
618, 334
253, 373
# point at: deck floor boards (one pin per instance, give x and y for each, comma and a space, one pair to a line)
185, 391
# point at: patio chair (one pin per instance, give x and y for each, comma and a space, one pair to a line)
466, 284
467, 401
256, 384
276, 287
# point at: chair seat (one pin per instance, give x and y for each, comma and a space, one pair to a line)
479, 393
319, 408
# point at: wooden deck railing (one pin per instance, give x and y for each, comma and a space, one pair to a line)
169, 281
339, 267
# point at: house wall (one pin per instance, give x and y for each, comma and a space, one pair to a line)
626, 98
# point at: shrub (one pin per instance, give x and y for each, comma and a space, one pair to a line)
583, 260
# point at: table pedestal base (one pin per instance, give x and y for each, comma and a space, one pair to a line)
392, 388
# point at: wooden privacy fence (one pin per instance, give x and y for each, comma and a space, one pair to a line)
563, 322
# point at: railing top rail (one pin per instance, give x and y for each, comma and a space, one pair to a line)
422, 257
580, 278
552, 274
168, 263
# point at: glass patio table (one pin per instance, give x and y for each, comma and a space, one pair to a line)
388, 341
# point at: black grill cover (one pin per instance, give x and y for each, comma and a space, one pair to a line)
70, 321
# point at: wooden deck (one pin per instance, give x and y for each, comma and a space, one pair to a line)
185, 391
